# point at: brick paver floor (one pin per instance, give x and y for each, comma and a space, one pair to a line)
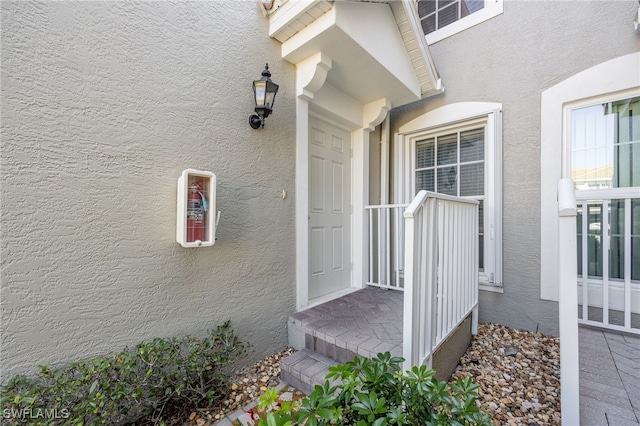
609, 378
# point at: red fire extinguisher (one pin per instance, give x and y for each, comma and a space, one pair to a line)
196, 208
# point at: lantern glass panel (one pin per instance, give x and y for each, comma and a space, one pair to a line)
260, 92
272, 89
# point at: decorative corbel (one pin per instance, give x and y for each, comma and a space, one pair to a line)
374, 113
311, 75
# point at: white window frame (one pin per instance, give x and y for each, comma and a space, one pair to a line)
615, 78
492, 8
450, 118
566, 154
567, 166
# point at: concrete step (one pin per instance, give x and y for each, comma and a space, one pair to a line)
335, 351
341, 344
304, 369
363, 323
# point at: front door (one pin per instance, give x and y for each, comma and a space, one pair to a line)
329, 208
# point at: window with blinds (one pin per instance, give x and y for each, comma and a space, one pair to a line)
453, 163
456, 149
443, 18
436, 14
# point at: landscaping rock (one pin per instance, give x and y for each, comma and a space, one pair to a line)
518, 373
515, 388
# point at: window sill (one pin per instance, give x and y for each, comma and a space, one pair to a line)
491, 287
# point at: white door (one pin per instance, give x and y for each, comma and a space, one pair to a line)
329, 208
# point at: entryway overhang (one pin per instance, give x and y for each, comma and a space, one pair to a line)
355, 60
370, 50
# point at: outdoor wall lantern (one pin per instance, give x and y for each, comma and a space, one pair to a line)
264, 92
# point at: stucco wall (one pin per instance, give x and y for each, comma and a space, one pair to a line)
511, 59
103, 105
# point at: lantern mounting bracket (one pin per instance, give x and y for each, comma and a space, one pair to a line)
255, 121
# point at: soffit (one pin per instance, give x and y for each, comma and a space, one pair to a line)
376, 47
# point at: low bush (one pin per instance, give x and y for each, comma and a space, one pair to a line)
135, 385
376, 392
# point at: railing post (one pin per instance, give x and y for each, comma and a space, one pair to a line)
568, 304
411, 339
407, 328
476, 266
430, 270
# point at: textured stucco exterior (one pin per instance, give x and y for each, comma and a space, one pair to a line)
511, 59
103, 105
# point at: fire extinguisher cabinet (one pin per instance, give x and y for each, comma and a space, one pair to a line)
196, 216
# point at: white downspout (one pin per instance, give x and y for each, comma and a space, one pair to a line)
384, 161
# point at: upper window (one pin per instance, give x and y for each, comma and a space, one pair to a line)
443, 18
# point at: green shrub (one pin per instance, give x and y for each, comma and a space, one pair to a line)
375, 392
136, 384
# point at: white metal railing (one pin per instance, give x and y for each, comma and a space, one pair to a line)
440, 272
567, 307
386, 245
608, 290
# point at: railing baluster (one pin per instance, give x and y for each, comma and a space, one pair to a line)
387, 239
627, 263
446, 274
430, 266
370, 246
441, 274
468, 259
459, 271
397, 246
460, 230
380, 246
585, 265
604, 235
462, 282
450, 253
447, 283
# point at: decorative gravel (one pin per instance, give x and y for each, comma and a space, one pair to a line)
245, 387
518, 373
